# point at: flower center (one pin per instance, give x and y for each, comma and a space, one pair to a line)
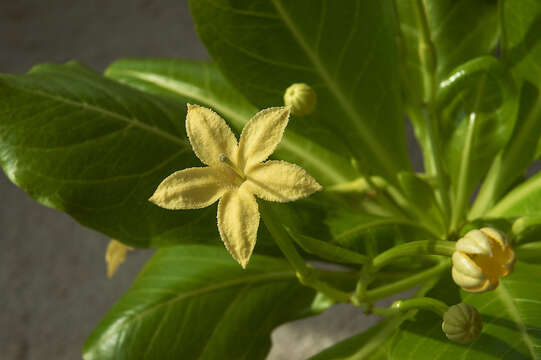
224, 159
494, 266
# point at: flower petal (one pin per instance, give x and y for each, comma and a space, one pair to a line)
238, 220
192, 188
210, 136
261, 135
280, 181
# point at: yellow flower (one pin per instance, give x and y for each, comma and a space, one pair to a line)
236, 172
115, 255
481, 258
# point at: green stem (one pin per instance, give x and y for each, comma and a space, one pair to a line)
414, 248
424, 303
405, 284
307, 275
427, 53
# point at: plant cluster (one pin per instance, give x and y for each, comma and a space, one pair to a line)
317, 94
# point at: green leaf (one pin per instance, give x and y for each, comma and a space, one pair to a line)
263, 47
202, 83
195, 302
521, 44
95, 149
369, 345
459, 29
478, 105
523, 200
511, 322
517, 156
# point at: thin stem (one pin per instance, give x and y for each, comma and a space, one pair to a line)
307, 275
424, 303
414, 248
427, 53
405, 284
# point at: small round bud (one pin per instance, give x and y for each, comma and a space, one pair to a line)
462, 323
302, 99
481, 258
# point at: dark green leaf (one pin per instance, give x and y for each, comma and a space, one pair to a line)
97, 150
200, 82
195, 302
511, 322
346, 53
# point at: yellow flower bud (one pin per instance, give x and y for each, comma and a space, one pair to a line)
462, 323
302, 99
481, 258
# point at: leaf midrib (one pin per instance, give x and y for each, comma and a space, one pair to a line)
110, 114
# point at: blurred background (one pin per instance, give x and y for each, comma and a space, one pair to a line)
52, 271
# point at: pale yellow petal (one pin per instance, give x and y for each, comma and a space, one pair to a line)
210, 136
238, 220
280, 181
261, 135
115, 255
192, 188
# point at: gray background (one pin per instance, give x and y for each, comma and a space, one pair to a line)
52, 272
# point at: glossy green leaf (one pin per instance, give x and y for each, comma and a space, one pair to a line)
511, 322
478, 105
97, 150
202, 83
345, 53
195, 302
369, 345
459, 30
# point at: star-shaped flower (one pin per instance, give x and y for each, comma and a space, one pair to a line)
236, 172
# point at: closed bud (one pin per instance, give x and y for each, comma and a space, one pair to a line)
302, 99
462, 323
481, 258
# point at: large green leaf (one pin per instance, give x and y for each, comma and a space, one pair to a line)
346, 53
195, 302
511, 322
459, 30
201, 82
97, 150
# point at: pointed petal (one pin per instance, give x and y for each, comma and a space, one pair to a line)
210, 136
261, 135
280, 181
238, 220
192, 188
115, 255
